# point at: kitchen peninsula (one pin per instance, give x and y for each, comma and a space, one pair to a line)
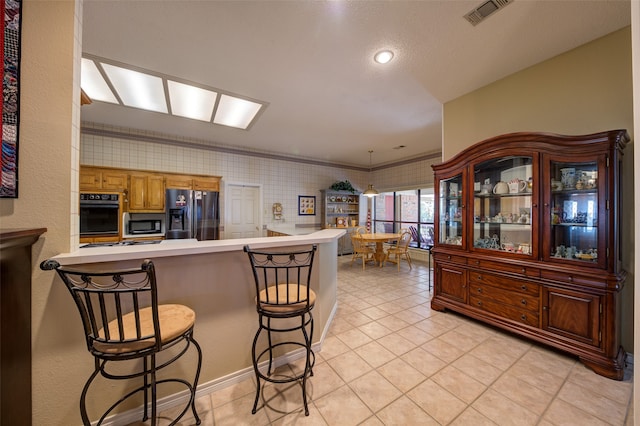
215, 279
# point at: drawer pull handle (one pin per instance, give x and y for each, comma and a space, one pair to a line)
523, 287
479, 303
449, 257
479, 277
477, 262
523, 317
523, 301
570, 278
479, 289
524, 270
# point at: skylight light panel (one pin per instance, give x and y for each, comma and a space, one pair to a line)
236, 112
190, 101
93, 84
137, 89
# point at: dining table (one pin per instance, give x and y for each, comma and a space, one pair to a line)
379, 238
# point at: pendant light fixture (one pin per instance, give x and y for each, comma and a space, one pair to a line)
370, 192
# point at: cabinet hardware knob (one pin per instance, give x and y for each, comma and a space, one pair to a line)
449, 257
546, 204
479, 277
523, 287
479, 303
477, 262
479, 289
535, 205
523, 301
523, 317
545, 308
524, 270
570, 278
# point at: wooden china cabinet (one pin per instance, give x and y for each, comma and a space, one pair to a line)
528, 240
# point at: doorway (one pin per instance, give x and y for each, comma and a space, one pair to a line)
243, 218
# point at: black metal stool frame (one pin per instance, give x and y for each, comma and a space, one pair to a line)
93, 297
274, 273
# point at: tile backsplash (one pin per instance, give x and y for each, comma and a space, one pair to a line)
282, 179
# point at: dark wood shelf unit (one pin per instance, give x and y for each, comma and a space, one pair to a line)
554, 278
15, 324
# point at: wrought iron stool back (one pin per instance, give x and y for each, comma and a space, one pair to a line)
283, 290
122, 320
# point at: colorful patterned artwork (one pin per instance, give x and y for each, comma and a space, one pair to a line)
9, 106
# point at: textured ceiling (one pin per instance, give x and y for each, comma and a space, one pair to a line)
311, 61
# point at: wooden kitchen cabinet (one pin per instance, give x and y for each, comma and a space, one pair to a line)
198, 183
206, 183
527, 239
92, 179
146, 193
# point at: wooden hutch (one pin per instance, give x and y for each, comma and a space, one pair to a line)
528, 240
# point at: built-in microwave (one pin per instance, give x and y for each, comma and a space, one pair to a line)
145, 226
100, 214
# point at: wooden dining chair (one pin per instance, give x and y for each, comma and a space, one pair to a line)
400, 250
361, 250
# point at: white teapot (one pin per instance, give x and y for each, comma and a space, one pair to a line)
501, 188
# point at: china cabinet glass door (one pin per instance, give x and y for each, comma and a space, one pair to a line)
450, 210
502, 205
574, 212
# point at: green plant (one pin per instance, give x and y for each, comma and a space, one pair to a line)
343, 186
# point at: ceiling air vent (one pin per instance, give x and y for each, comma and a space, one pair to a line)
483, 11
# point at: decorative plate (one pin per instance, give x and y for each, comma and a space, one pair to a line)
344, 199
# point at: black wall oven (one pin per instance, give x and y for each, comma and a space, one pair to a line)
100, 214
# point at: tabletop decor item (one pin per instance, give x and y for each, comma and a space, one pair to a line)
9, 104
306, 205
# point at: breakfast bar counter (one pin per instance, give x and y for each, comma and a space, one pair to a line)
215, 279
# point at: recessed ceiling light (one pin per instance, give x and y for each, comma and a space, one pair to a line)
236, 112
383, 57
137, 89
93, 84
191, 101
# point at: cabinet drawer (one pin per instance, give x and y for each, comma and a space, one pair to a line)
505, 267
505, 311
563, 277
513, 298
511, 284
450, 258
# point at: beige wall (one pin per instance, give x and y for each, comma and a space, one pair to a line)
48, 160
586, 90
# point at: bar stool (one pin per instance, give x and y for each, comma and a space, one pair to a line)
283, 297
123, 321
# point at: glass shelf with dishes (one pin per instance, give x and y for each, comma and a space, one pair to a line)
451, 211
503, 189
574, 211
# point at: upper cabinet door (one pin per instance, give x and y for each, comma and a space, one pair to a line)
451, 211
505, 206
576, 210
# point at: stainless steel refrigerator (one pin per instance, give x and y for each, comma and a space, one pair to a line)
192, 214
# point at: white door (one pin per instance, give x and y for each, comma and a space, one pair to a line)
243, 219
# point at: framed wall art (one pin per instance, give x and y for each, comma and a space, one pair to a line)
10, 105
306, 205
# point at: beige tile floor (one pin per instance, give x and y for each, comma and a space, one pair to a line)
390, 360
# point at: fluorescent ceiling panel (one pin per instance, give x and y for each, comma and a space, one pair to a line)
137, 89
235, 112
190, 101
93, 84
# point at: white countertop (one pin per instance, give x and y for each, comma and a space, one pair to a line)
292, 229
190, 247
